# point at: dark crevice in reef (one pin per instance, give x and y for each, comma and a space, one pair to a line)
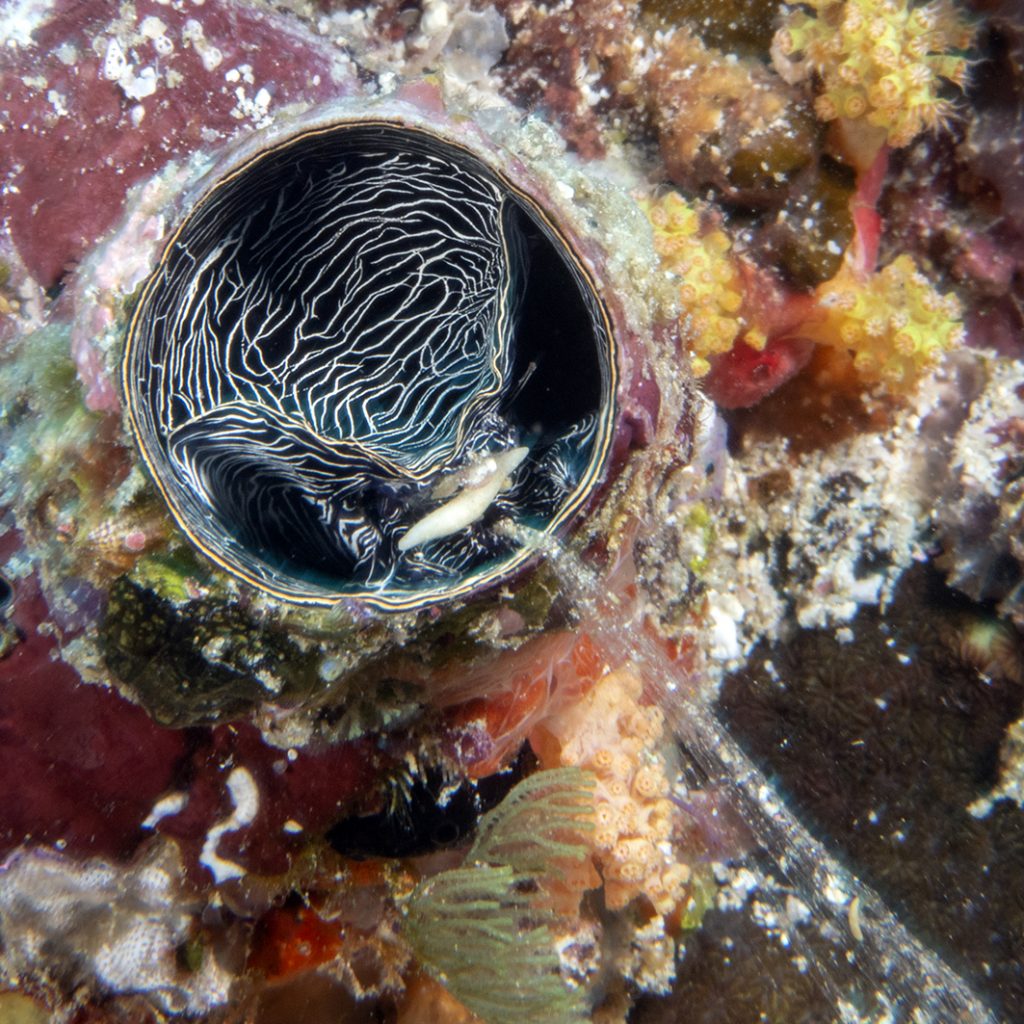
880, 745
428, 811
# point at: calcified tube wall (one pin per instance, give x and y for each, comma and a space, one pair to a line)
332, 337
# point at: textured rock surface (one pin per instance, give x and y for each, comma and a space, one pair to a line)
834, 569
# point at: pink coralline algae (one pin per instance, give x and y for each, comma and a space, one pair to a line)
125, 112
295, 795
746, 374
83, 769
743, 376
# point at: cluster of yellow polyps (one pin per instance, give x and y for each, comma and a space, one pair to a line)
894, 323
708, 283
881, 60
611, 733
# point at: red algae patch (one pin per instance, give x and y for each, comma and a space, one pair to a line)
80, 766
120, 92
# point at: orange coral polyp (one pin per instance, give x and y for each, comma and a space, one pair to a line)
616, 788
855, 106
610, 726
630, 872
648, 783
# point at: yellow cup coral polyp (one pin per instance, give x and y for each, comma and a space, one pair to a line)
709, 287
894, 324
880, 60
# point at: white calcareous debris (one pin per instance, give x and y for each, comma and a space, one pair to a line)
58, 101
245, 797
256, 108
978, 514
115, 63
152, 27
105, 927
141, 85
725, 613
651, 965
192, 35
136, 85
19, 19
736, 884
834, 529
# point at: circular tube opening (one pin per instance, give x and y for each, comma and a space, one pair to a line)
362, 355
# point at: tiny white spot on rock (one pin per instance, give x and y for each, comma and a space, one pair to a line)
115, 64
56, 100
138, 87
211, 57
165, 807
